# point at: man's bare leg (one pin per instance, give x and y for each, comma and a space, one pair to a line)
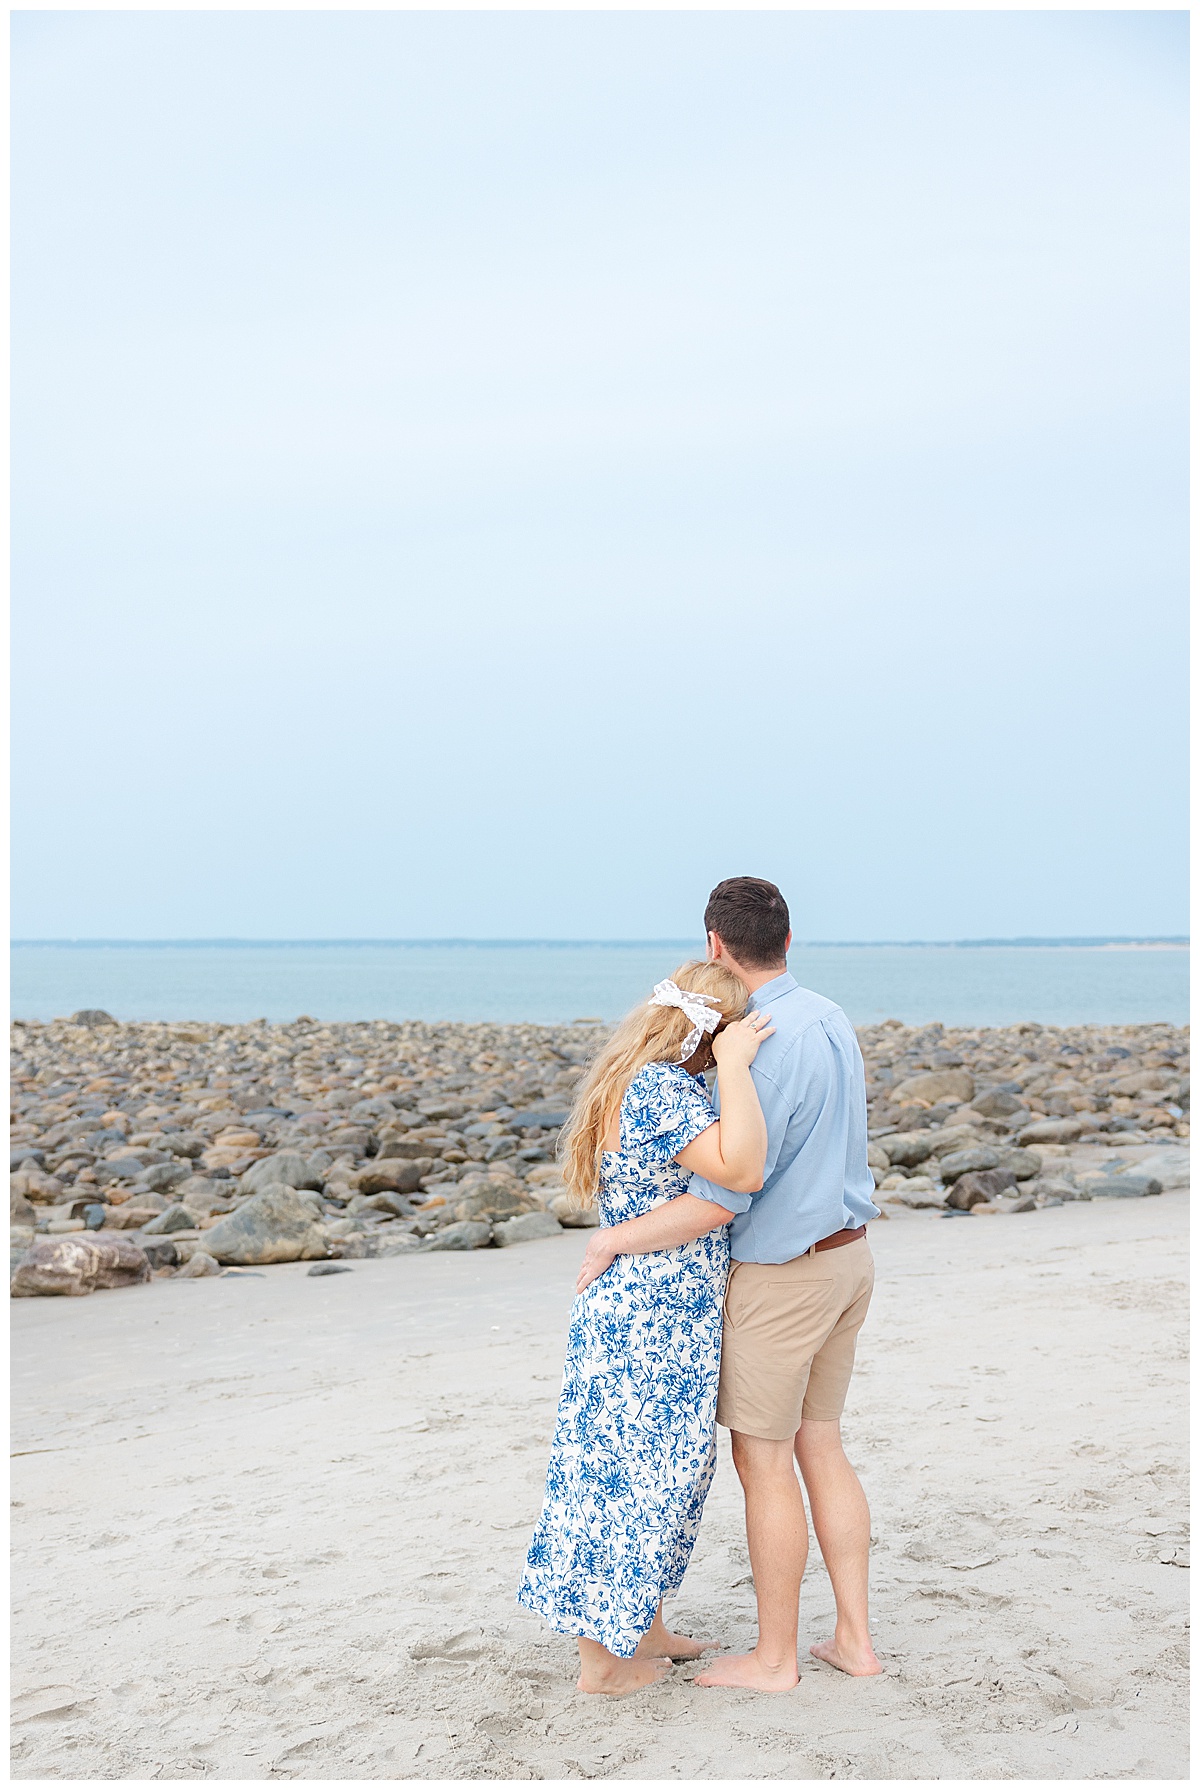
777, 1531
659, 1642
843, 1525
603, 1674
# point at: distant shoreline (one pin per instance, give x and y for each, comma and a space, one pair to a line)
1069, 944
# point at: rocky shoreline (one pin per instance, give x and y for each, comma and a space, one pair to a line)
179, 1151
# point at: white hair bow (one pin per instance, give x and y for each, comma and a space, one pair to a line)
704, 1013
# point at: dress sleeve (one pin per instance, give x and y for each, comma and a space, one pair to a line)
664, 1109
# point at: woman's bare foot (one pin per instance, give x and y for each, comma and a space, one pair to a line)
658, 1642
604, 1674
747, 1672
622, 1676
859, 1661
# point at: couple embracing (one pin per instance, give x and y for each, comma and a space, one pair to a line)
668, 1337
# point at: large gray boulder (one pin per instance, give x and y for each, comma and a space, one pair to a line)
279, 1224
471, 1234
287, 1168
979, 1185
962, 1162
905, 1149
80, 1263
493, 1199
572, 1216
525, 1227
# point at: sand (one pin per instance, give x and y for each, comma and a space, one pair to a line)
271, 1526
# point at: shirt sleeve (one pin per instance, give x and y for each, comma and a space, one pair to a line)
665, 1110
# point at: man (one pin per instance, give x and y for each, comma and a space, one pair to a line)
798, 1291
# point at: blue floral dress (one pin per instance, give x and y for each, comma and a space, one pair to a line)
634, 1449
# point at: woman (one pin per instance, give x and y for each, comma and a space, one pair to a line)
633, 1451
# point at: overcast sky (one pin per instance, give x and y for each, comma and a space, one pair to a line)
495, 474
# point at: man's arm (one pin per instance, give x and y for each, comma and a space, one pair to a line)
676, 1221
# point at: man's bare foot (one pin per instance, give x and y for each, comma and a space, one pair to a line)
747, 1672
859, 1662
658, 1642
621, 1676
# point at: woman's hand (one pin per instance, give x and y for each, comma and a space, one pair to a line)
599, 1255
737, 1044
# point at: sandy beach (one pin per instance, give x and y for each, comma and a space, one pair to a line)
271, 1526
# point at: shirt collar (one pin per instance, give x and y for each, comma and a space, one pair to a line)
771, 991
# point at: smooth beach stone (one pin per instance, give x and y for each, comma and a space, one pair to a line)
571, 1216
1170, 1166
286, 1168
961, 1162
32, 1184
990, 1182
393, 1176
20, 1209
350, 1137
1023, 1163
162, 1175
130, 1217
526, 1227
199, 1266
442, 1109
1050, 1131
25, 1153
997, 1103
1127, 1186
905, 1149
394, 1242
119, 1168
277, 1225
175, 1218
410, 1147
183, 1143
935, 1085
471, 1234
160, 1252
546, 1118
71, 1266
494, 1197
91, 1017
322, 1268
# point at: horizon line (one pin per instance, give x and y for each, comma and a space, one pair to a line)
798, 945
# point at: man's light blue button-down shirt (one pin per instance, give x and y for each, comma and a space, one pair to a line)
810, 1081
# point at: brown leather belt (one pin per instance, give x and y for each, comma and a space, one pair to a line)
840, 1237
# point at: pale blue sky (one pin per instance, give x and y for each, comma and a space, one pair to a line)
495, 474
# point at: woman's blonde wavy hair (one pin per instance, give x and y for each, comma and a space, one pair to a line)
647, 1035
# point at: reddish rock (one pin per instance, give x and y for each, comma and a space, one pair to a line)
80, 1263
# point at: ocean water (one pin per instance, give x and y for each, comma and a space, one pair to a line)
553, 982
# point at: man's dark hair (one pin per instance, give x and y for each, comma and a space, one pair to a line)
751, 917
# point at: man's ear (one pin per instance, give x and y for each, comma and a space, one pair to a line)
715, 948
787, 943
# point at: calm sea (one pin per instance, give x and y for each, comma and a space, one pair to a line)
471, 980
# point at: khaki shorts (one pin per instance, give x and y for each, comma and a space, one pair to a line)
790, 1331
